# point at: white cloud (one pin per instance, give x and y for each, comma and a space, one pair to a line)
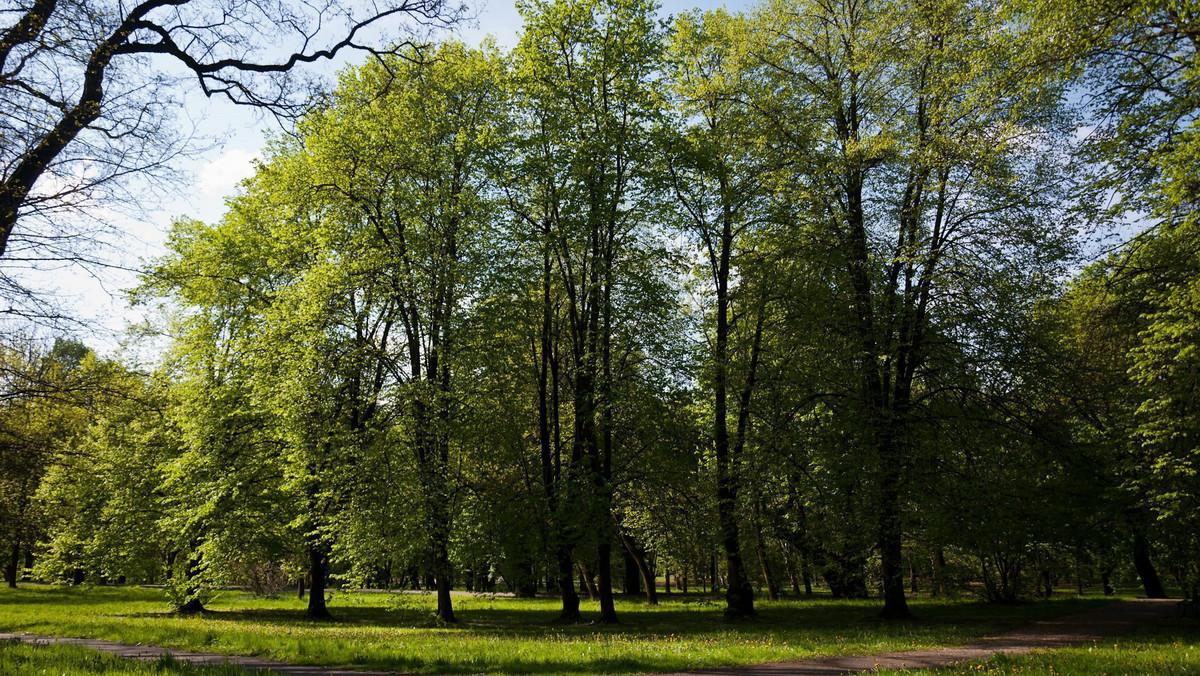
220, 176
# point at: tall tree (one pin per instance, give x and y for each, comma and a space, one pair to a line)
924, 139
716, 172
583, 80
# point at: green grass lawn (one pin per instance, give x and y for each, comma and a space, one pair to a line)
1168, 647
17, 659
501, 635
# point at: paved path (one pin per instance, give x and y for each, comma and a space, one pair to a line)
1060, 632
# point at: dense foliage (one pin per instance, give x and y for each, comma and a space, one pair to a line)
749, 302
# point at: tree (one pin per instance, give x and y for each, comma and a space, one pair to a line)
46, 406
716, 172
925, 139
1137, 307
583, 79
86, 89
397, 162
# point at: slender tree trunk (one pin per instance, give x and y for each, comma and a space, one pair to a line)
587, 581
806, 573
760, 550
14, 565
300, 587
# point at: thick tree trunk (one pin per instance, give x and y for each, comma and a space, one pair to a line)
1145, 567
633, 579
318, 570
566, 583
608, 610
895, 605
445, 608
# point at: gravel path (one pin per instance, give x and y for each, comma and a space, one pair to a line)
1060, 632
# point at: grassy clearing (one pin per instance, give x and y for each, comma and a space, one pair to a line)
1158, 649
17, 659
514, 636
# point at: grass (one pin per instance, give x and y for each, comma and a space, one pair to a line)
18, 659
1158, 649
511, 636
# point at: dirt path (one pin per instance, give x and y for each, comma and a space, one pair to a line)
1060, 632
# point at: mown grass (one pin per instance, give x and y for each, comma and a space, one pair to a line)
510, 636
17, 659
1157, 649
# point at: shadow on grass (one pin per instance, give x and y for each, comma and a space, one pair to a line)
805, 618
279, 629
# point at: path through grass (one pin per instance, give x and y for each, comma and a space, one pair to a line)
18, 659
511, 636
1158, 649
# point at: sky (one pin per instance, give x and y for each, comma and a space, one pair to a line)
96, 298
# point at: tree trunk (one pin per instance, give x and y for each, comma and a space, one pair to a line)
760, 549
566, 583
939, 572
608, 611
1145, 567
445, 608
11, 572
300, 587
587, 581
639, 558
604, 520
895, 606
633, 578
318, 570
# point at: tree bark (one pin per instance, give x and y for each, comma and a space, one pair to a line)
14, 565
639, 557
633, 579
1145, 567
760, 550
586, 580
318, 557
